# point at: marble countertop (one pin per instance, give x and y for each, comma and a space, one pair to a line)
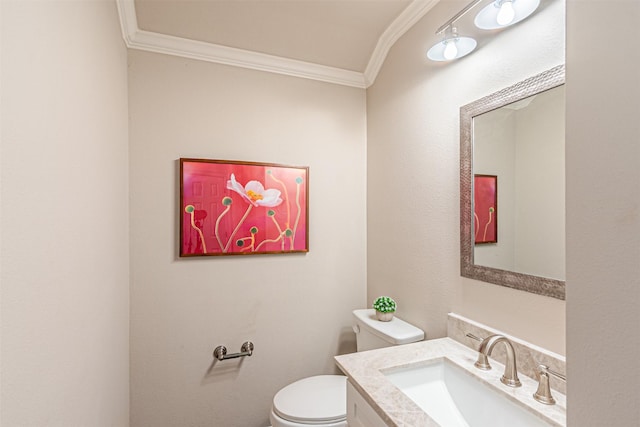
364, 371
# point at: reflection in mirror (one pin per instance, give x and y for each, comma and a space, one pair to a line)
515, 137
523, 144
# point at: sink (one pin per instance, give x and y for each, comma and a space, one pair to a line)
454, 398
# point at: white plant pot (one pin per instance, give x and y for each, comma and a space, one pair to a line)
384, 317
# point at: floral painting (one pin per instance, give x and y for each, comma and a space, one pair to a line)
485, 208
242, 208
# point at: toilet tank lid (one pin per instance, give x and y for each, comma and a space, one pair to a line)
396, 331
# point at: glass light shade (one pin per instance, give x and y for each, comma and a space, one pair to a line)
487, 18
463, 45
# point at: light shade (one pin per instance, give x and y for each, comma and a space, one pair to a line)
487, 18
463, 46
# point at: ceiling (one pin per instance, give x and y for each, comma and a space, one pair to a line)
337, 41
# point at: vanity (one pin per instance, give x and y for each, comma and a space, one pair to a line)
435, 383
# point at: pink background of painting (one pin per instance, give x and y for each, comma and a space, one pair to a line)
484, 198
204, 186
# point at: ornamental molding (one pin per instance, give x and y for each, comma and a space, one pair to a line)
202, 51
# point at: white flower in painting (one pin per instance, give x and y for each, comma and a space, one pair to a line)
255, 193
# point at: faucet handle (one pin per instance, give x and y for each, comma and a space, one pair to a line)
483, 361
543, 394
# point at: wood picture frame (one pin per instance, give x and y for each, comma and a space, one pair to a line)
242, 208
485, 208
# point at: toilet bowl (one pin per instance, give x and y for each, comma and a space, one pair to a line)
321, 401
317, 401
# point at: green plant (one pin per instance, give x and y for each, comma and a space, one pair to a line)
384, 305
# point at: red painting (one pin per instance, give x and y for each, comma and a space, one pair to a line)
242, 208
485, 207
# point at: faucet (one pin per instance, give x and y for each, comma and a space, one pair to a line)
543, 394
510, 376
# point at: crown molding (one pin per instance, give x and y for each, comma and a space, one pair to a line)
161, 43
407, 19
177, 46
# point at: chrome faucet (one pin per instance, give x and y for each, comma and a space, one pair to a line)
510, 376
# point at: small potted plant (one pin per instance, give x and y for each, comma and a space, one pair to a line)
385, 307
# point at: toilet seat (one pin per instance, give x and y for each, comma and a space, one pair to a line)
319, 400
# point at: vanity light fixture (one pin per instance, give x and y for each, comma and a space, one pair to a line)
502, 13
498, 14
451, 47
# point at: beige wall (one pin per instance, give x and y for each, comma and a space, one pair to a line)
65, 244
603, 214
295, 308
413, 183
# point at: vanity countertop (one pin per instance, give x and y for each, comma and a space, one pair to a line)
365, 371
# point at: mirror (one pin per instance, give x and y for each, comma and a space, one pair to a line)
512, 186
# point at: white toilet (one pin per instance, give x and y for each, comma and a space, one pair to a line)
321, 401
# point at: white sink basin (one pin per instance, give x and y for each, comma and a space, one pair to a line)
453, 398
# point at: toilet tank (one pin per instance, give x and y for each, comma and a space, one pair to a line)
372, 333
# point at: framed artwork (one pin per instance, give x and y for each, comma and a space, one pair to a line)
485, 208
242, 208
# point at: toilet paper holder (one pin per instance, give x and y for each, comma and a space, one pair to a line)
220, 352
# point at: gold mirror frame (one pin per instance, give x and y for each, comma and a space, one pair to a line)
525, 282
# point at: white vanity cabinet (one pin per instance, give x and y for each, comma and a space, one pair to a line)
359, 412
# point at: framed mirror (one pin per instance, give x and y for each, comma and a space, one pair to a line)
515, 137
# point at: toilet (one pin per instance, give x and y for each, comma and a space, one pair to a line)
321, 401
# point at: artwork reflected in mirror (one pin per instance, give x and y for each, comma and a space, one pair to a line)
518, 135
485, 208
